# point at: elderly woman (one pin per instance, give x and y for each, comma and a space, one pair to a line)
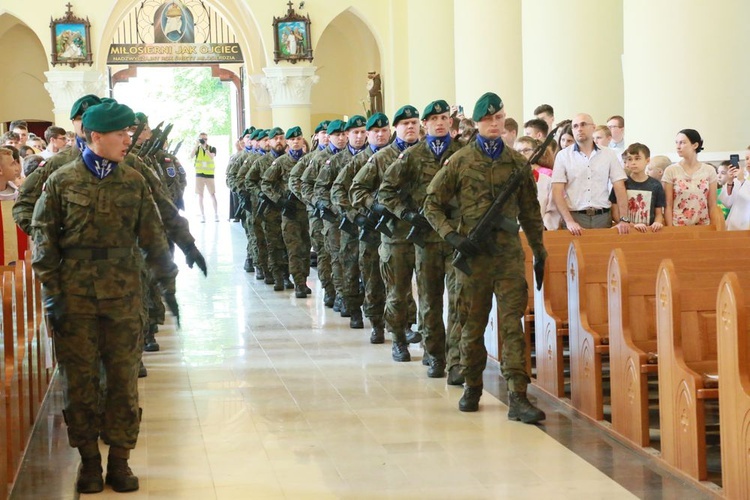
690, 186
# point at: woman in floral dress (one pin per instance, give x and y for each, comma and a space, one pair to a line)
689, 185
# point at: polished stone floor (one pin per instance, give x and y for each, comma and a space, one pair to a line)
262, 396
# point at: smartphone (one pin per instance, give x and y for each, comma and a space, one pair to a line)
734, 160
460, 109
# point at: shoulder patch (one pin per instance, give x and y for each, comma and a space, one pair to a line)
167, 159
171, 172
181, 170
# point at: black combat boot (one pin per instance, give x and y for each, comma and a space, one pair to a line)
356, 321
313, 259
288, 283
520, 408
259, 274
470, 400
149, 341
268, 278
345, 312
300, 292
454, 376
329, 299
308, 290
412, 337
119, 475
436, 368
278, 283
142, 372
426, 358
89, 478
248, 267
337, 303
400, 351
377, 335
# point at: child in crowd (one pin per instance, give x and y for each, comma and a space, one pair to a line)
656, 166
646, 199
722, 177
8, 190
543, 174
602, 136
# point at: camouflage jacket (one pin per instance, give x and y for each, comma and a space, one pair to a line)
343, 182
275, 180
235, 162
475, 180
328, 173
78, 212
310, 174
255, 172
247, 162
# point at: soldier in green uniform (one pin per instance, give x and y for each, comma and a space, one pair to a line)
396, 254
474, 176
315, 223
378, 135
294, 226
336, 143
346, 243
402, 192
234, 161
236, 168
91, 218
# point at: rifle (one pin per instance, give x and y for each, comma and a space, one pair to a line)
264, 204
348, 226
176, 149
493, 219
289, 209
327, 214
135, 136
159, 140
146, 146
238, 214
417, 232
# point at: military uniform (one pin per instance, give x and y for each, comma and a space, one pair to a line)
474, 176
260, 250
234, 170
294, 224
402, 191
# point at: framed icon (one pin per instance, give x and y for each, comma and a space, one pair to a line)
292, 37
71, 40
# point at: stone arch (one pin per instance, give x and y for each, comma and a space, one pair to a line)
346, 50
22, 92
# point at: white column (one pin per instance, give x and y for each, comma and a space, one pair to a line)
487, 36
686, 67
66, 86
259, 102
289, 91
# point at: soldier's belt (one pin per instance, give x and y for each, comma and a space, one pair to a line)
97, 253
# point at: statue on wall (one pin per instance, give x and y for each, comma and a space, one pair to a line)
374, 87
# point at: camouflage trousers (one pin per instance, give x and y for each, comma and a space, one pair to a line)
296, 234
277, 259
349, 257
397, 269
506, 279
260, 240
318, 244
95, 334
433, 265
369, 263
332, 241
252, 242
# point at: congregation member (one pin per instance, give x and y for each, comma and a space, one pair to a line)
616, 125
646, 199
545, 112
735, 197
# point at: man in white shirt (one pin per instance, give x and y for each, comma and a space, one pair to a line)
56, 140
616, 125
581, 182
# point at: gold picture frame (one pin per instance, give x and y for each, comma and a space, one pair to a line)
292, 41
71, 40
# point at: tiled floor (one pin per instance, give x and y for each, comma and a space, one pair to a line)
263, 396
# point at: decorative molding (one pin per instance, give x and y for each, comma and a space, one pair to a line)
66, 86
260, 92
289, 86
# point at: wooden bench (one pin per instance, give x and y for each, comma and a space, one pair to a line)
688, 364
733, 344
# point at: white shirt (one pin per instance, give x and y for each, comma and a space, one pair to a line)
10, 192
587, 179
738, 204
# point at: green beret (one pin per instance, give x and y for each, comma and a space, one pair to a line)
322, 126
335, 126
436, 108
108, 99
108, 117
378, 120
489, 104
405, 113
293, 132
275, 131
248, 131
84, 102
261, 134
355, 121
254, 134
141, 118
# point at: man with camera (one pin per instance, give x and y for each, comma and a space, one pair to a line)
204, 172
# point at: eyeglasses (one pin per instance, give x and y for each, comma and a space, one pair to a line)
525, 150
613, 126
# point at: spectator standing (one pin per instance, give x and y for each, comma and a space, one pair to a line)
736, 198
56, 140
536, 128
545, 112
616, 125
646, 200
204, 155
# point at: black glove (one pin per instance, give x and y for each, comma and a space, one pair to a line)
180, 203
462, 244
194, 256
54, 309
416, 219
173, 306
539, 259
321, 206
379, 208
363, 221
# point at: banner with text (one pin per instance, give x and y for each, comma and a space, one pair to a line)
182, 53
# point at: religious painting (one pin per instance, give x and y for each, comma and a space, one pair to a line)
292, 37
71, 40
173, 23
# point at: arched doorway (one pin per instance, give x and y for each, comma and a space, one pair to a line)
22, 92
345, 53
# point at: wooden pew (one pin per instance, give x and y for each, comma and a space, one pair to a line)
686, 334
13, 402
588, 304
732, 330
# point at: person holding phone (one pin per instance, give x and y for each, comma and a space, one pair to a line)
204, 155
736, 196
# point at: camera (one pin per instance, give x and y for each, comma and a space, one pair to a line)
202, 141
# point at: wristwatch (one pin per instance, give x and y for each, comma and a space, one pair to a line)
625, 219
